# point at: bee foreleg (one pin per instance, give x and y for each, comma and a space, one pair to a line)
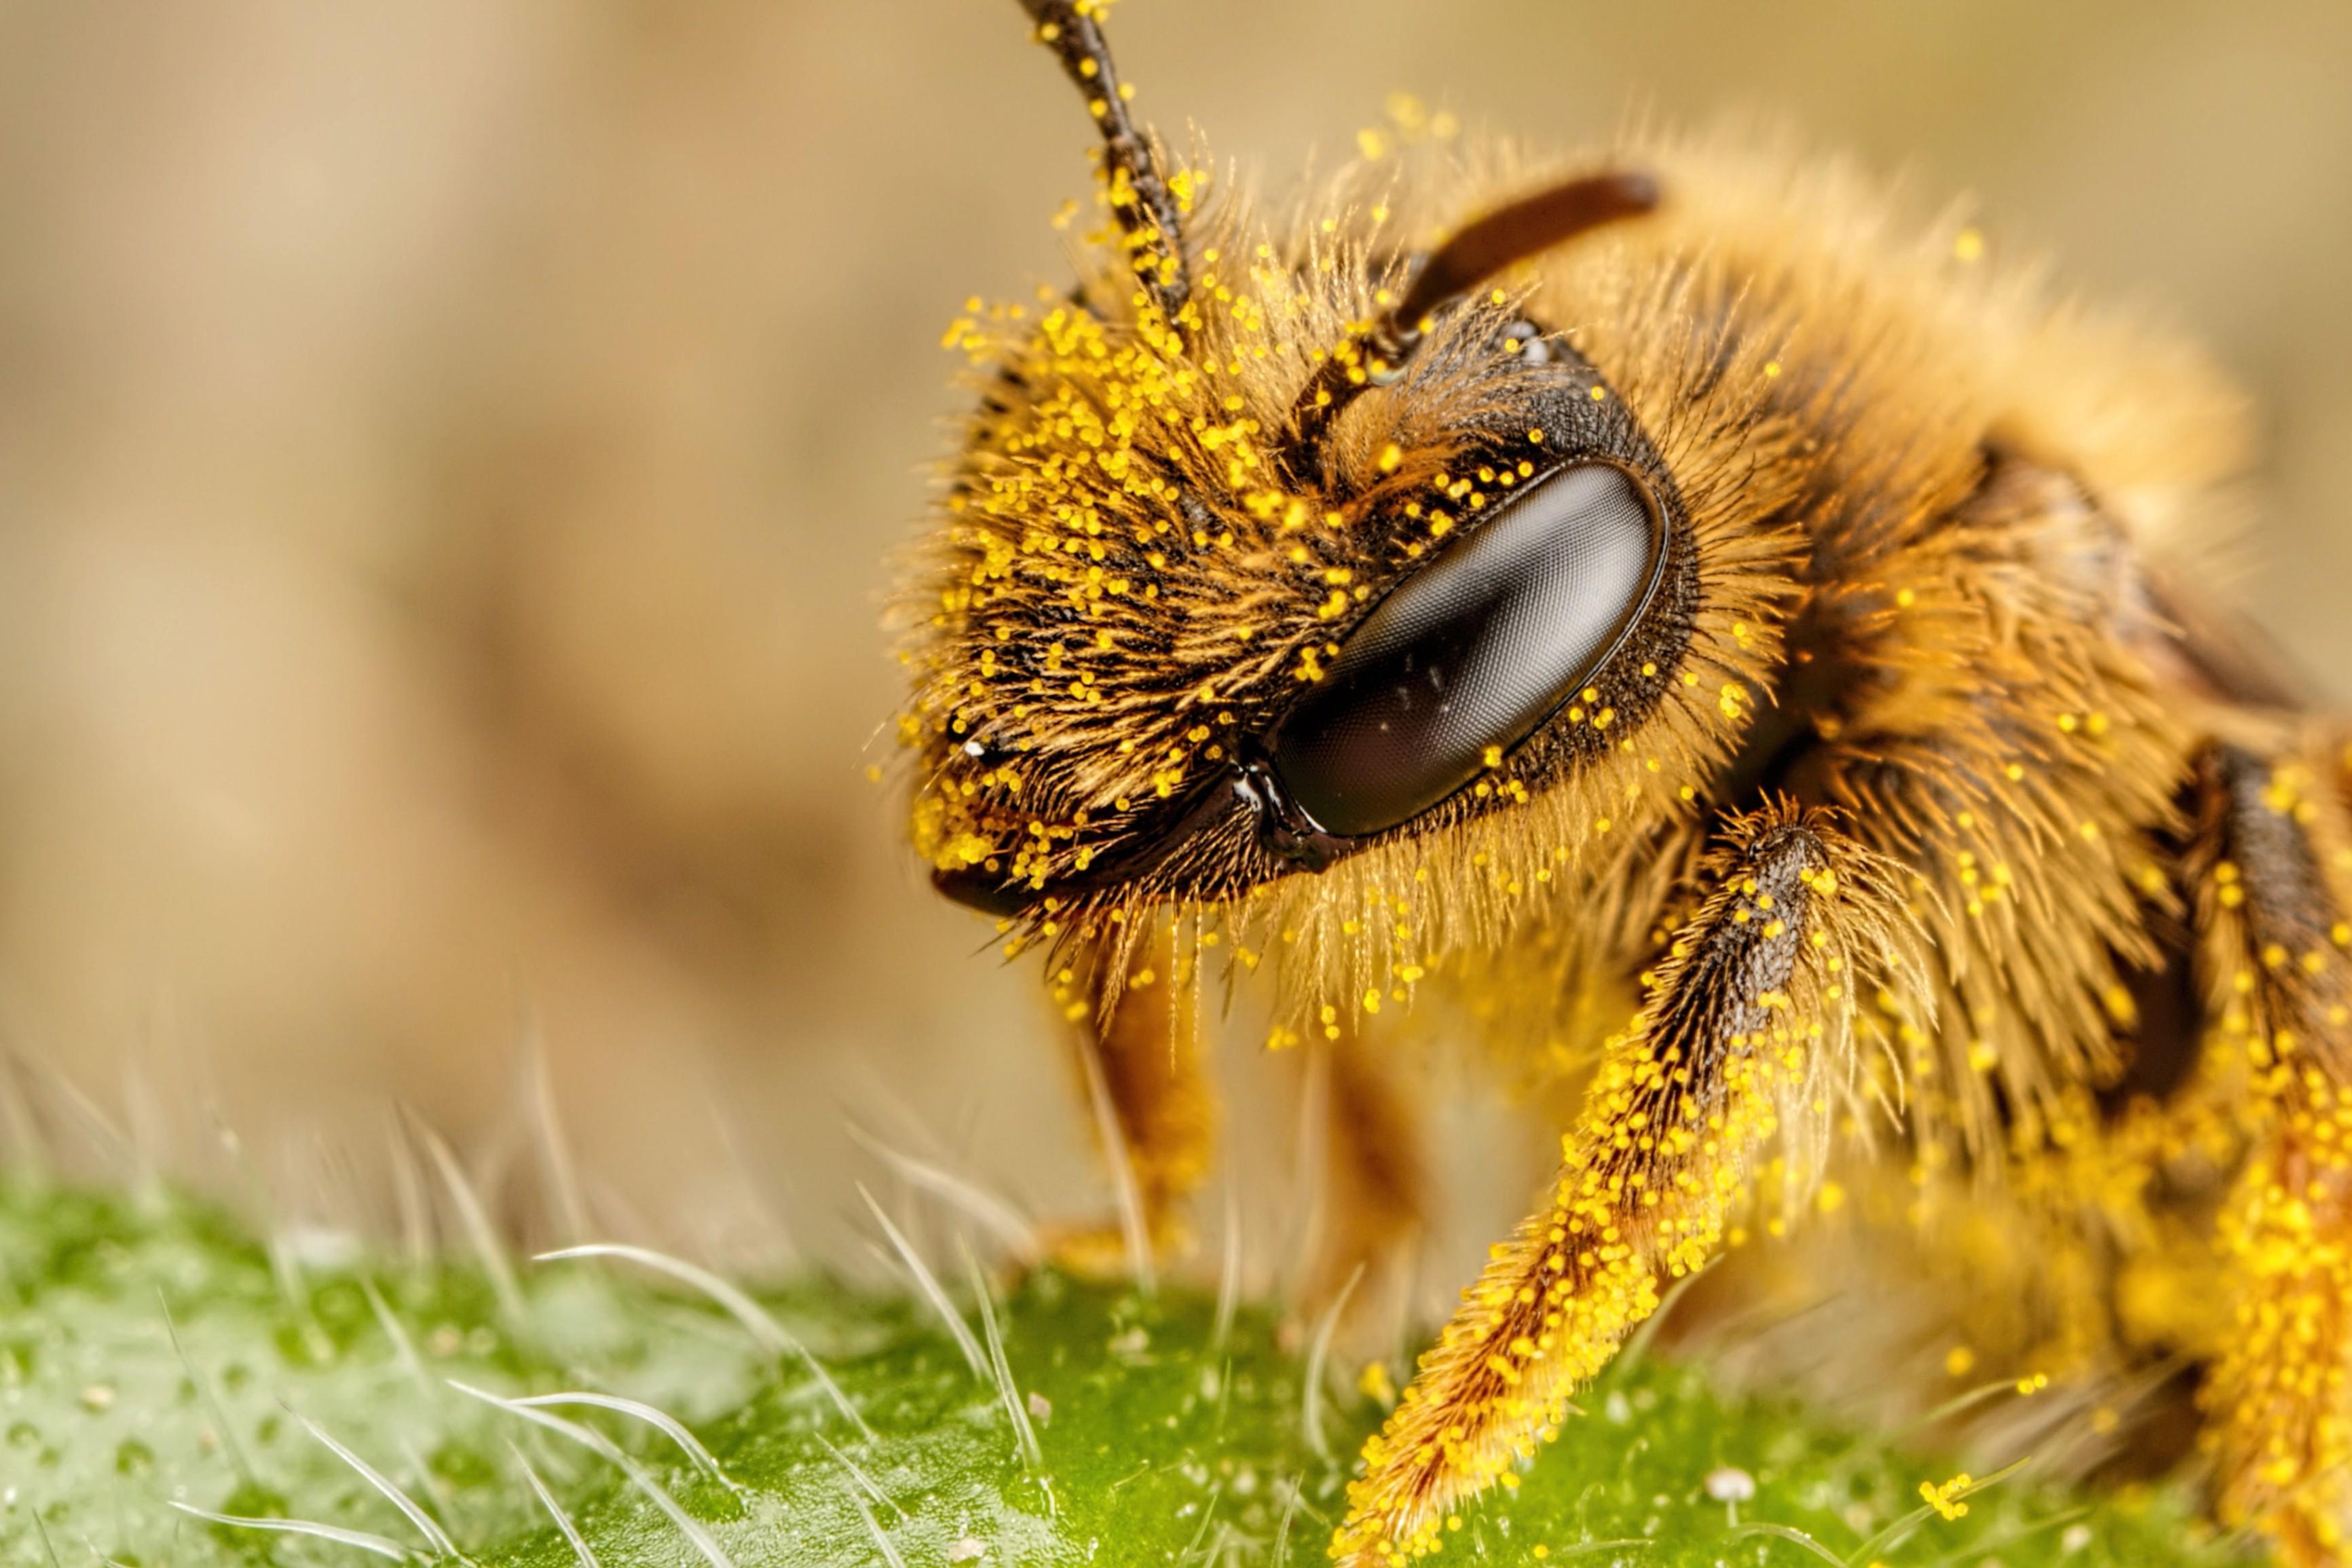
1135, 1010
2273, 865
1747, 1001
1377, 1197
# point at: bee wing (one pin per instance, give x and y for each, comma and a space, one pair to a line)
2227, 653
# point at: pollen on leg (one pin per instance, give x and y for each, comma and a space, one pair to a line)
1709, 1071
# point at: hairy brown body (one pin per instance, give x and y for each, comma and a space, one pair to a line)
1905, 780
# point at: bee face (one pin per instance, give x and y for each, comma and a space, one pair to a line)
1197, 662
1332, 549
1298, 572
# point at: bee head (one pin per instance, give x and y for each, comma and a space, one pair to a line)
1275, 557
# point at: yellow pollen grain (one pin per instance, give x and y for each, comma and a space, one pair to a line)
1945, 1498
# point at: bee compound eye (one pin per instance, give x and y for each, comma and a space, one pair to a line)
1474, 650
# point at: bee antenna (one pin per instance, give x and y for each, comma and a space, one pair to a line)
1145, 205
1377, 354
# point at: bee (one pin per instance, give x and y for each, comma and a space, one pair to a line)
1687, 615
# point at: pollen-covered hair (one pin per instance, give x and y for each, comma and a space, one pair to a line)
1135, 576
1669, 584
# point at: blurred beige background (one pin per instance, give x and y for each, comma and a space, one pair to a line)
449, 451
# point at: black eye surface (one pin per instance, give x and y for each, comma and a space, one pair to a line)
1474, 650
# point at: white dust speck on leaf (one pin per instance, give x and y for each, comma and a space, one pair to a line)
1728, 1483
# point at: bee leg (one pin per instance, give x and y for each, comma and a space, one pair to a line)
1136, 1012
1377, 1180
2273, 861
1720, 1050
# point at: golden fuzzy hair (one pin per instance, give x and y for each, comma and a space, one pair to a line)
1921, 791
1819, 382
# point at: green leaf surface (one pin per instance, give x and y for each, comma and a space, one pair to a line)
155, 1359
